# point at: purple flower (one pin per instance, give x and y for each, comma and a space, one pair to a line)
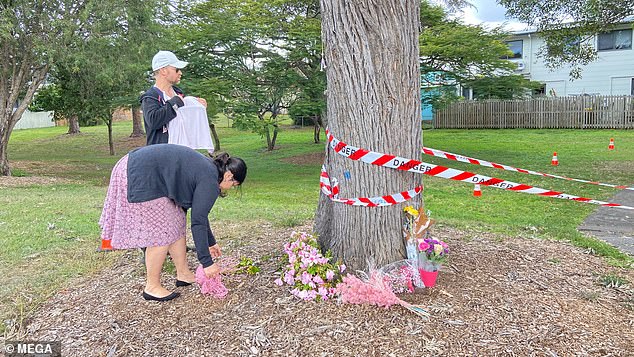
342, 267
302, 294
323, 292
330, 274
310, 295
279, 282
306, 278
289, 279
317, 279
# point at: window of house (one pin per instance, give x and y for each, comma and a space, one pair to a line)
540, 91
466, 93
572, 45
615, 40
516, 47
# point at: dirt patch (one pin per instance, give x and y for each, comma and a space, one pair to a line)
609, 167
500, 296
42, 167
315, 158
124, 145
13, 181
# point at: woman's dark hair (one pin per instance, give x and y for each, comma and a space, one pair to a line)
236, 165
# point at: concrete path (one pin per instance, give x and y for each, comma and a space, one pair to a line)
613, 225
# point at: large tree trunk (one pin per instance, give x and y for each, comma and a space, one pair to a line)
73, 125
372, 71
137, 122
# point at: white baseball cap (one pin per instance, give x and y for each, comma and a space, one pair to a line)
166, 58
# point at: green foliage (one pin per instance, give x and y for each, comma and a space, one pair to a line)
264, 56
508, 87
247, 266
291, 221
613, 281
107, 69
454, 53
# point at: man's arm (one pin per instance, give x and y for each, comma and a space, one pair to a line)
157, 115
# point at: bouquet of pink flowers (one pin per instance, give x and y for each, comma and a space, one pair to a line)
375, 288
310, 274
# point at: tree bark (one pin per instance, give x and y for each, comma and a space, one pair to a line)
214, 136
73, 125
316, 128
8, 117
137, 122
274, 139
4, 160
110, 138
7, 124
268, 138
373, 102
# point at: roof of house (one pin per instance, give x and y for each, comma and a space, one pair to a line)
531, 30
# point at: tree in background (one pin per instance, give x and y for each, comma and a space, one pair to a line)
453, 53
33, 34
506, 87
106, 70
49, 97
568, 27
253, 58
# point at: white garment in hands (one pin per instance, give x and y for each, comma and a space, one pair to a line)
190, 127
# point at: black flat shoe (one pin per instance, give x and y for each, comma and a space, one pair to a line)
169, 297
180, 283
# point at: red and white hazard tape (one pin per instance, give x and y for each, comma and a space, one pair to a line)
401, 163
332, 191
470, 160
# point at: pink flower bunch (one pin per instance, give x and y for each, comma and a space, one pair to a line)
310, 274
211, 286
375, 291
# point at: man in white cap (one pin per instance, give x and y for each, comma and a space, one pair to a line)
160, 102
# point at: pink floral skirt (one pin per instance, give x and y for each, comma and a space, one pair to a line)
126, 225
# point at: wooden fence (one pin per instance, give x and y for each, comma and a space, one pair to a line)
582, 112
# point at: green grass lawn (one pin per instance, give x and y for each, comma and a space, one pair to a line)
48, 234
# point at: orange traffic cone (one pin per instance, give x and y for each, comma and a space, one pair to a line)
611, 146
476, 190
105, 244
555, 161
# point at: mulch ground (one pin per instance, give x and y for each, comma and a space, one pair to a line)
499, 296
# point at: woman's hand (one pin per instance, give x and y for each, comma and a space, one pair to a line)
212, 270
202, 101
215, 251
